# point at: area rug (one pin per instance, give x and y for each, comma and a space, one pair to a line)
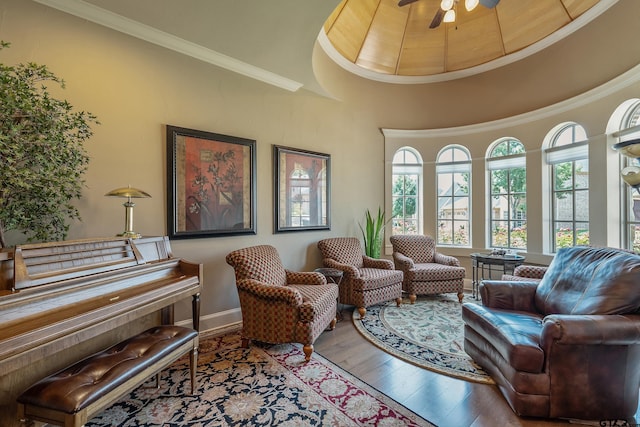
429, 333
264, 385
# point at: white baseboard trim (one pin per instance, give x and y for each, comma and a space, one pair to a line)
218, 322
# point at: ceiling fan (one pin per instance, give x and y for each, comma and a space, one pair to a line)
446, 11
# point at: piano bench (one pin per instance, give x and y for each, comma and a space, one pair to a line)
71, 397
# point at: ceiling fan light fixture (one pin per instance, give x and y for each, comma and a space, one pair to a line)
471, 4
446, 5
450, 16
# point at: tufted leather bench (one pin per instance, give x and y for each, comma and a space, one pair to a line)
74, 395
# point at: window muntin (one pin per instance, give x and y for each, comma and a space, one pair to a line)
405, 191
508, 194
569, 159
453, 180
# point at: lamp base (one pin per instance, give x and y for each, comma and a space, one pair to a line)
131, 235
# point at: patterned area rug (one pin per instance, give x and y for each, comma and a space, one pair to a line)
429, 333
259, 386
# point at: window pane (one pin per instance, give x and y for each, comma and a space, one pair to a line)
582, 233
563, 176
582, 205
445, 232
518, 236
461, 184
563, 235
634, 233
499, 236
460, 236
582, 173
499, 207
563, 206
518, 180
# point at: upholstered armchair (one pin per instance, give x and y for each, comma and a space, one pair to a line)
527, 273
278, 305
366, 281
426, 271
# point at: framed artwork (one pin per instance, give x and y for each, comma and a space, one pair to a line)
211, 188
302, 190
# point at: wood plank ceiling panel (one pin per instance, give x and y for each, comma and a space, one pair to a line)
381, 48
520, 30
473, 39
423, 50
578, 7
351, 27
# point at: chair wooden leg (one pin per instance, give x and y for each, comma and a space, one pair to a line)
332, 325
362, 312
413, 298
245, 343
193, 366
308, 351
460, 296
398, 301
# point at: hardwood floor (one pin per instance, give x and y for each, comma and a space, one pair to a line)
444, 401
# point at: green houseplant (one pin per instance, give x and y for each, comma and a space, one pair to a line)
372, 233
42, 158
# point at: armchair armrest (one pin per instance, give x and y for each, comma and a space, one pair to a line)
384, 264
439, 258
402, 261
270, 292
305, 278
349, 270
596, 329
509, 295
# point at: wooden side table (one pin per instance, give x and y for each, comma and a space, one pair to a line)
333, 275
481, 262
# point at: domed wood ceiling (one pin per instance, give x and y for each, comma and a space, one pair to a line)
382, 37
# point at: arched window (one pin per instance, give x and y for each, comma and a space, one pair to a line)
506, 164
626, 120
568, 157
453, 180
405, 191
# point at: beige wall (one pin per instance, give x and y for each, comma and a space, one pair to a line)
136, 88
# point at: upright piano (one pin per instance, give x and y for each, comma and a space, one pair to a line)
55, 296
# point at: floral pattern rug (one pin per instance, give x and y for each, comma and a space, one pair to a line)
264, 385
429, 333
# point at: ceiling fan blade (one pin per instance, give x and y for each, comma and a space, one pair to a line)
437, 19
405, 2
489, 3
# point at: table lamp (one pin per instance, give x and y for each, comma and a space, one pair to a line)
128, 193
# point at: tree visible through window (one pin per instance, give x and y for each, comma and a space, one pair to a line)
569, 160
508, 194
405, 192
453, 175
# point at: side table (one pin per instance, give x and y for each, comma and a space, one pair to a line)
333, 275
483, 262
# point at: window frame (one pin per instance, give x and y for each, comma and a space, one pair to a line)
453, 168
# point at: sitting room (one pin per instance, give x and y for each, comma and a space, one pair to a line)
324, 149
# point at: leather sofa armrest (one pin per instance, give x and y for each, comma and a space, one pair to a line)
597, 329
443, 259
349, 270
270, 292
384, 264
402, 261
509, 295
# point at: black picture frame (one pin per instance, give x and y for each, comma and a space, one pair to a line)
302, 190
211, 184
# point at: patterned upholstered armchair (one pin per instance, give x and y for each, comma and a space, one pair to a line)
366, 281
426, 271
278, 305
527, 273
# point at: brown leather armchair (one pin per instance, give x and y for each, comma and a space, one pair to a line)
366, 281
278, 305
568, 346
426, 271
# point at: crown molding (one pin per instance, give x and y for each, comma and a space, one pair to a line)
624, 80
152, 35
552, 38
